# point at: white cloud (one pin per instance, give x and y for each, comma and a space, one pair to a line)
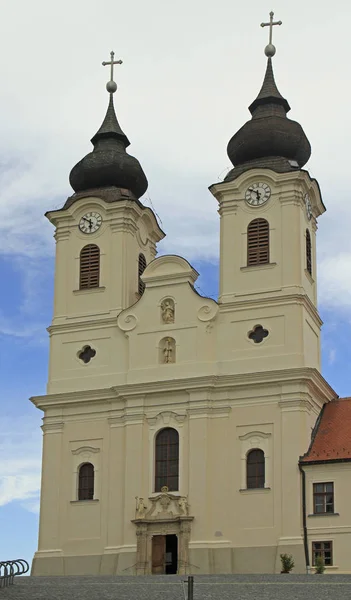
20, 466
179, 102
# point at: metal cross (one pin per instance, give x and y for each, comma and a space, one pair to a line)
270, 25
112, 62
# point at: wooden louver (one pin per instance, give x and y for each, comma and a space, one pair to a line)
141, 269
89, 274
258, 242
308, 252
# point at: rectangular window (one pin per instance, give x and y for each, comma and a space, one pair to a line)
323, 498
323, 549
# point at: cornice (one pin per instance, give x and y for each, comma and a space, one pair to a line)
268, 301
81, 325
54, 427
312, 378
74, 397
128, 211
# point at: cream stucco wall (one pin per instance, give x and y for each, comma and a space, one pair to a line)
331, 527
224, 394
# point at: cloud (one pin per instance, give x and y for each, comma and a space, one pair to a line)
178, 103
20, 466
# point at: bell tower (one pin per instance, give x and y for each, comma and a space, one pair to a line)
268, 206
105, 237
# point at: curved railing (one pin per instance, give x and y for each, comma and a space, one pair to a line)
10, 568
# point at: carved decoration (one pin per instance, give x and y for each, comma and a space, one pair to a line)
85, 449
167, 350
140, 508
166, 417
127, 322
167, 311
164, 505
207, 312
168, 514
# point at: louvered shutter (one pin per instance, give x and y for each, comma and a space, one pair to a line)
258, 242
308, 252
141, 269
89, 266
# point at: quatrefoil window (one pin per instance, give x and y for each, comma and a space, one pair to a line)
86, 354
257, 334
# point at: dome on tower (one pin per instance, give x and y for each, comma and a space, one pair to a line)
269, 139
109, 165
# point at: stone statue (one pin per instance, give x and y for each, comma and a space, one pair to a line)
168, 350
167, 311
183, 505
140, 509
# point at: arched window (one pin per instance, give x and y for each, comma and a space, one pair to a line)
255, 469
308, 252
167, 460
86, 482
141, 269
258, 242
89, 271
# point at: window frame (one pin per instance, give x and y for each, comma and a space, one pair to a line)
88, 481
258, 477
258, 242
171, 477
322, 495
89, 267
321, 552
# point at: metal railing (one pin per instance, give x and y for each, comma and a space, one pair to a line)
10, 568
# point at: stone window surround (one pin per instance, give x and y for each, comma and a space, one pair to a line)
82, 455
261, 441
161, 421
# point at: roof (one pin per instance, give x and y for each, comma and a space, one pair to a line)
331, 437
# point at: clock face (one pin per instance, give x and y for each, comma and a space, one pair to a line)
257, 194
90, 222
308, 207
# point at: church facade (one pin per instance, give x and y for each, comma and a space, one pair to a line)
181, 434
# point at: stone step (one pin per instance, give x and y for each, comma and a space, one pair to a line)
170, 587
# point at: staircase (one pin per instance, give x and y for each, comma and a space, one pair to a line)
170, 587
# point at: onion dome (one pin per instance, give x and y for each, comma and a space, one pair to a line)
109, 165
270, 139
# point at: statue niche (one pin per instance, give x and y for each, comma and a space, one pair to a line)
167, 351
167, 311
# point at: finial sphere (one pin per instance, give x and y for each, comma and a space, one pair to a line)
269, 50
111, 87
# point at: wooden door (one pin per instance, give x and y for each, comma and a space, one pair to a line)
158, 554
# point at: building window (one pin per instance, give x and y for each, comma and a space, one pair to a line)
255, 469
141, 269
86, 482
258, 242
323, 549
308, 252
167, 460
89, 269
323, 498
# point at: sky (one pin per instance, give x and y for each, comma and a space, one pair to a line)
190, 70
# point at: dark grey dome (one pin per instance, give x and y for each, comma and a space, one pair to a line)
270, 139
109, 164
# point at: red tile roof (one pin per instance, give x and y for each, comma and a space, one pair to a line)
332, 438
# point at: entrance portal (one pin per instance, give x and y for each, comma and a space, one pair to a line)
164, 554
